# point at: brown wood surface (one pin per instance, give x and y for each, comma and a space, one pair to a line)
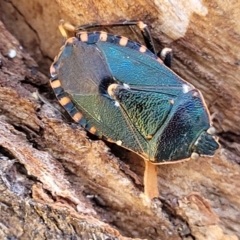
56, 182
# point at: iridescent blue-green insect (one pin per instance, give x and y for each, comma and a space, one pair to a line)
123, 92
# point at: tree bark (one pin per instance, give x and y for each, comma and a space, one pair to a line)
58, 182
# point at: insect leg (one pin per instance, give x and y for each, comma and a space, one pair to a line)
64, 28
166, 55
150, 180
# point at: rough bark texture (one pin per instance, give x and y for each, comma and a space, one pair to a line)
57, 183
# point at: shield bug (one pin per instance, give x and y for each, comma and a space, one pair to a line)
123, 92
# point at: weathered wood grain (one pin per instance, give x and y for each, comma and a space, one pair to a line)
199, 199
